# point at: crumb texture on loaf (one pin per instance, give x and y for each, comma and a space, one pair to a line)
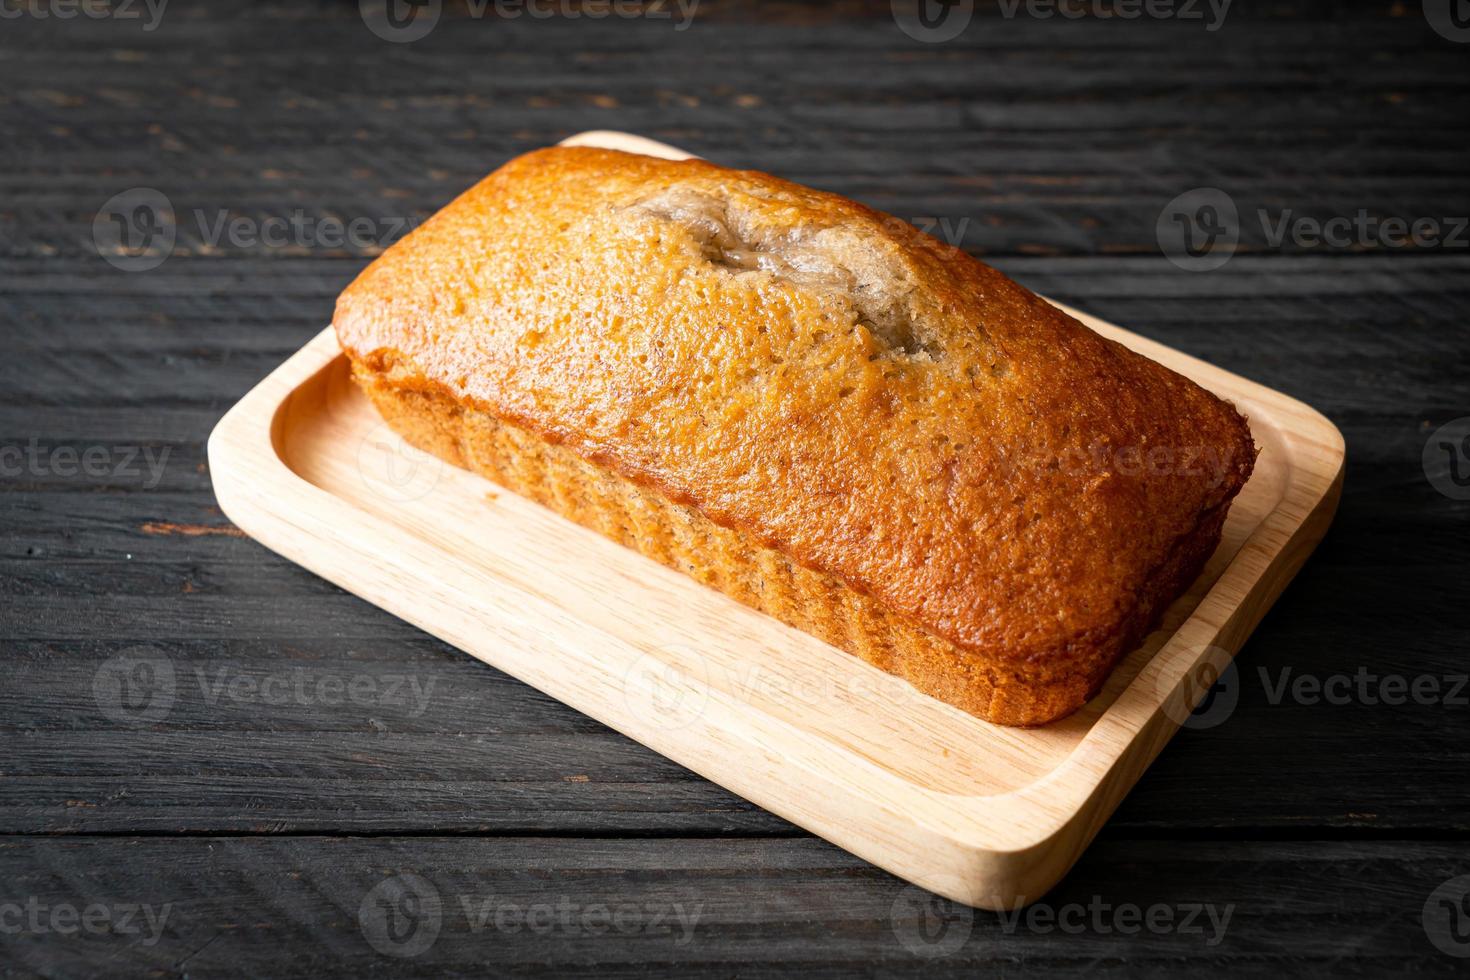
825, 380
874, 292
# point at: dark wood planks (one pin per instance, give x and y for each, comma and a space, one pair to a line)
216, 906
1047, 146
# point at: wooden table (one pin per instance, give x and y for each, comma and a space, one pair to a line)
209, 758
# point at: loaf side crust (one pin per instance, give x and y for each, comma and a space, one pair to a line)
682, 538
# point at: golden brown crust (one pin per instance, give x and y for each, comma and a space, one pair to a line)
788, 372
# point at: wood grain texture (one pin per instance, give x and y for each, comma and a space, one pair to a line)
1060, 141
221, 906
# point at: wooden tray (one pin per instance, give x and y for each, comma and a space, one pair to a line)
982, 814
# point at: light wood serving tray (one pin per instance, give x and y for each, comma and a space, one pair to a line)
982, 814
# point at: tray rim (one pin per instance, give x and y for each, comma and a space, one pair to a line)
979, 852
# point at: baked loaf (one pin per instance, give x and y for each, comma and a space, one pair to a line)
810, 406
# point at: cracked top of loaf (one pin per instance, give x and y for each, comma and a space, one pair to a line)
873, 403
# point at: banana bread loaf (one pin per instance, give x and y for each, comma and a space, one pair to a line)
810, 406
